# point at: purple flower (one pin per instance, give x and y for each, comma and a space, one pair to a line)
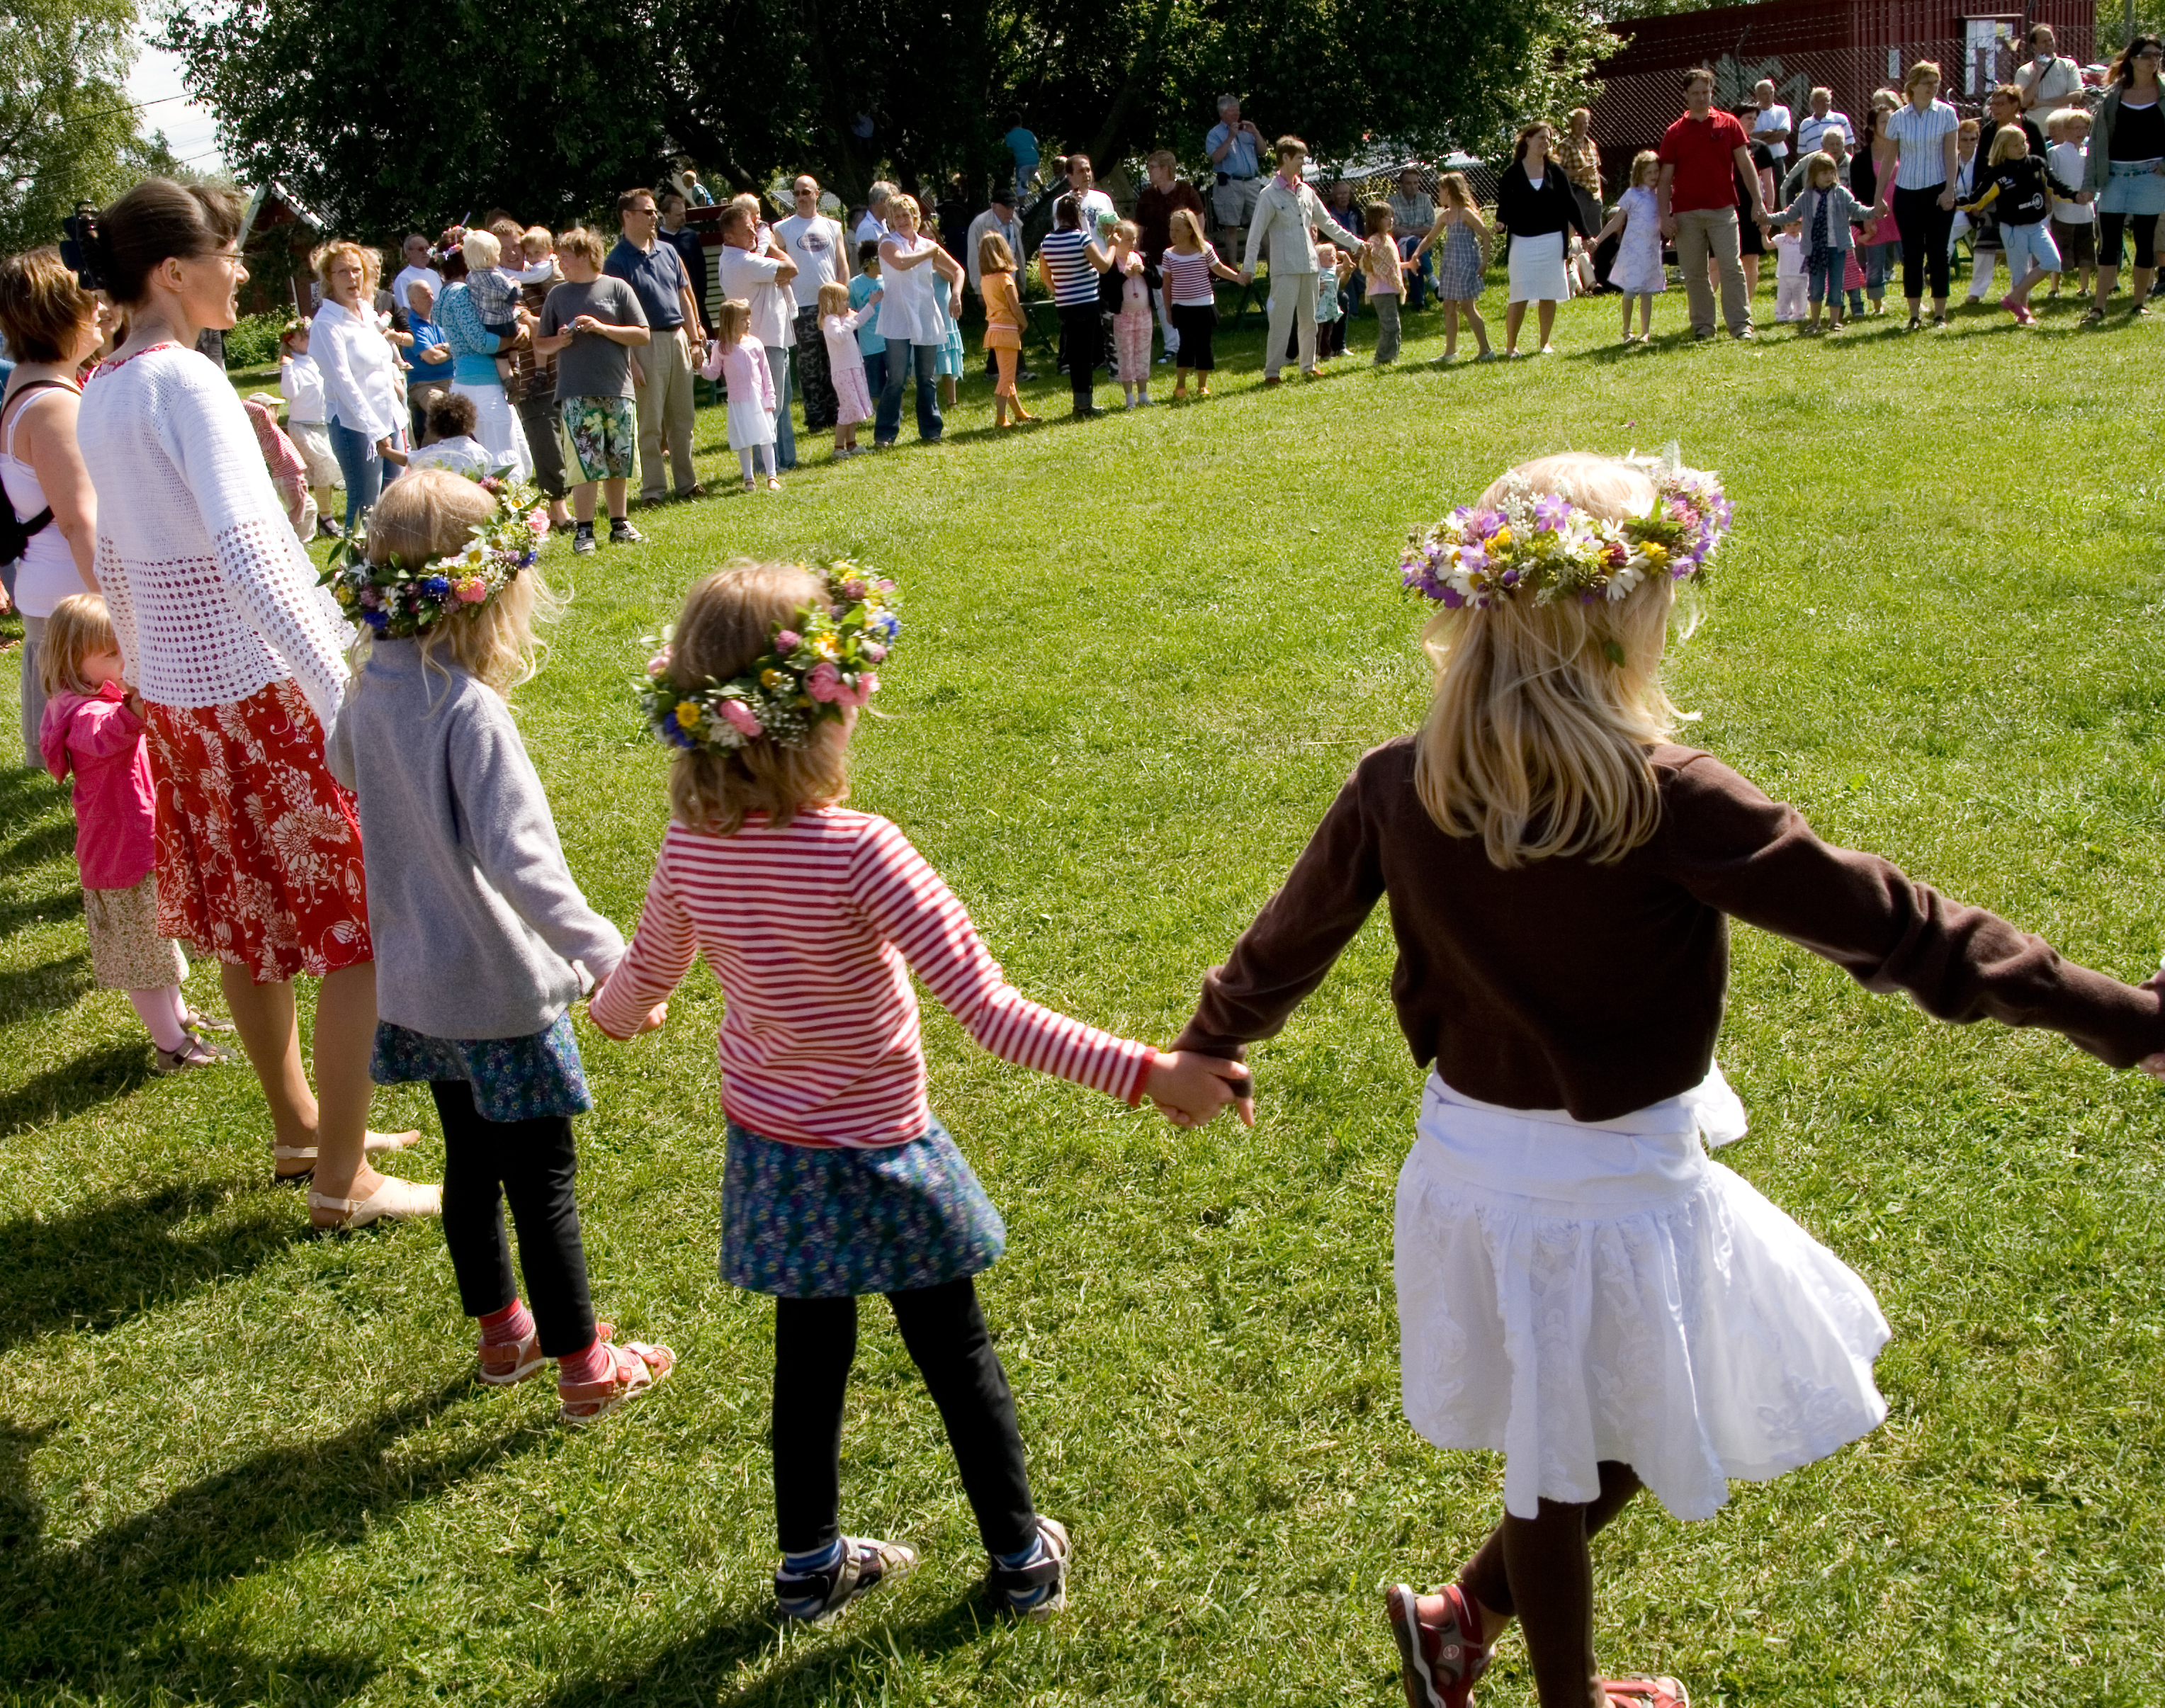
1452, 598
1472, 560
1509, 577
1550, 512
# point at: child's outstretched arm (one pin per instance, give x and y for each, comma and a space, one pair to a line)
634, 998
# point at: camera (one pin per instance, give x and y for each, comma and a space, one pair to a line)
75, 248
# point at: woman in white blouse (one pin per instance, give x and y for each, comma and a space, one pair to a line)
912, 268
1918, 155
240, 660
361, 379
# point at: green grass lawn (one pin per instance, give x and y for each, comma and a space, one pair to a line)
238, 1463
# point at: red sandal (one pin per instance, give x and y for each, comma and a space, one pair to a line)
1440, 1655
1644, 1690
635, 1367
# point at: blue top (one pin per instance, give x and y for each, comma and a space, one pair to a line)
473, 346
1022, 146
656, 277
1326, 294
1240, 161
427, 334
870, 339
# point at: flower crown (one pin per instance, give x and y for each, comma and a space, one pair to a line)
823, 661
399, 600
1544, 546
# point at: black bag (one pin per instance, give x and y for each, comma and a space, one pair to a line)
15, 531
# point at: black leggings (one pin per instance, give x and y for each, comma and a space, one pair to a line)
2109, 227
1197, 323
1082, 346
1926, 228
533, 1164
815, 1341
1540, 1569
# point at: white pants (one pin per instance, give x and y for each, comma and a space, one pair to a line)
1981, 262
1293, 300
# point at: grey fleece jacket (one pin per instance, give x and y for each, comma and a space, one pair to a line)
480, 930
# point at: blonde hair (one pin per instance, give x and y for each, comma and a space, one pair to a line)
584, 243
733, 320
1536, 740
994, 255
2007, 142
481, 249
1917, 72
1818, 162
431, 513
78, 627
1645, 158
538, 235
730, 618
329, 256
1183, 223
1127, 231
833, 298
1453, 187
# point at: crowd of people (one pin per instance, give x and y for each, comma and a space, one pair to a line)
305, 775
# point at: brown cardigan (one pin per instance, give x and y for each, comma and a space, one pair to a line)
1598, 989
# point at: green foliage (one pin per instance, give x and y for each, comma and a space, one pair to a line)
253, 342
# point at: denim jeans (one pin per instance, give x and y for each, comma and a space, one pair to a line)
1825, 269
887, 423
785, 430
362, 467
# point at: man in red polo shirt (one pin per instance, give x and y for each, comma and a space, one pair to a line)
1704, 155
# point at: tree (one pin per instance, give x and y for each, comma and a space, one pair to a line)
67, 128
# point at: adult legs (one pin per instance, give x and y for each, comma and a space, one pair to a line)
785, 430
678, 408
1722, 239
887, 417
1694, 251
815, 1343
943, 1329
1082, 347
1285, 302
2111, 229
34, 691
926, 359
1924, 225
652, 362
814, 384
1545, 317
544, 443
334, 1117
363, 469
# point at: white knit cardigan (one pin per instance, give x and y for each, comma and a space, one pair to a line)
211, 595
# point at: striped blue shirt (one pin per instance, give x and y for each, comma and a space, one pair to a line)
1074, 281
1922, 162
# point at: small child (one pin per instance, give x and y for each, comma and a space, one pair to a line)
2019, 189
2075, 220
93, 730
289, 471
494, 285
483, 939
1578, 1284
1789, 291
839, 1180
1383, 270
1824, 214
1131, 320
1638, 270
1003, 324
1187, 267
845, 363
872, 343
450, 418
1333, 266
738, 360
946, 300
301, 384
1464, 235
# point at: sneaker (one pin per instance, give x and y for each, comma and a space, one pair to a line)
1438, 1659
867, 1563
583, 542
1748, 334
622, 532
1033, 1591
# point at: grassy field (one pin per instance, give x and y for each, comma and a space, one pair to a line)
238, 1463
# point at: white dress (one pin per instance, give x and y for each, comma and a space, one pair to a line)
1570, 1292
1637, 269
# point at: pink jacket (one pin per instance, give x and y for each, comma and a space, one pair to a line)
101, 741
742, 366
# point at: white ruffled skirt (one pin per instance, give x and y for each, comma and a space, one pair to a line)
498, 426
1570, 1292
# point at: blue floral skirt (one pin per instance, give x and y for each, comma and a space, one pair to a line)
801, 1221
513, 1078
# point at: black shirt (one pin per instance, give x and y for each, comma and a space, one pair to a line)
2021, 184
2138, 132
1525, 212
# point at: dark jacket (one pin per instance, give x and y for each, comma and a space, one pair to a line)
1525, 212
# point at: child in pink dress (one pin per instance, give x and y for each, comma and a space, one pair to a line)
1131, 325
739, 361
845, 361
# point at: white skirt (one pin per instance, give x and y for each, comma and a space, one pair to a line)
1536, 269
749, 424
1570, 1293
497, 425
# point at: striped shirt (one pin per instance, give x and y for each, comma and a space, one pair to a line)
1189, 275
1067, 268
812, 931
1922, 163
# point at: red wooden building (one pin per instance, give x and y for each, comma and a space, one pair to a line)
1849, 46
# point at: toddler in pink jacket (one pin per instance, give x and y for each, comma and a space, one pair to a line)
738, 360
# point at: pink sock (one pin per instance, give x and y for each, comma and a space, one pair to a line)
507, 1327
159, 1011
595, 1364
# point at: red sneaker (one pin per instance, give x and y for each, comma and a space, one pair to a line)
1440, 1654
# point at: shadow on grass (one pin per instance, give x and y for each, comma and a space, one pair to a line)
105, 1264
46, 989
818, 1673
62, 1091
90, 1618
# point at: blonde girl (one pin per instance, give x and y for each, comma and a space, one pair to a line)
1131, 321
1462, 259
1638, 270
1191, 301
845, 361
839, 1181
1003, 324
92, 735
482, 938
739, 361
1578, 1284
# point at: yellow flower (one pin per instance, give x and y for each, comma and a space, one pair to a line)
824, 646
1652, 552
688, 716
1500, 539
770, 678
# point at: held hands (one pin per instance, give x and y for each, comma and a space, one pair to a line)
1189, 1088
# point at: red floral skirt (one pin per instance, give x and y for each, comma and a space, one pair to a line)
259, 855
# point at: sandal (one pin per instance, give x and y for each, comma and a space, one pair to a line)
1033, 1592
372, 1144
195, 1051
867, 1563
1440, 1655
392, 1200
1643, 1690
196, 1021
638, 1366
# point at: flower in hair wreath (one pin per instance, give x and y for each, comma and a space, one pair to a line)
1543, 547
822, 662
398, 600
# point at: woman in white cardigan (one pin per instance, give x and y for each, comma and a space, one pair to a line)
360, 376
239, 659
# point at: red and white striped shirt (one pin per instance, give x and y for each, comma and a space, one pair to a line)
813, 932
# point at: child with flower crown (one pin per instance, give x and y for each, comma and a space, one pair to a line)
839, 1181
1579, 1285
483, 939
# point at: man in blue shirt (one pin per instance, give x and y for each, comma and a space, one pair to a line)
428, 359
1235, 150
661, 370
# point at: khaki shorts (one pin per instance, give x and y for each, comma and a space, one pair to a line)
2077, 242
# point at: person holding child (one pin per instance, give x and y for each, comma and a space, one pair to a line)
482, 938
590, 323
1638, 270
480, 353
1579, 1285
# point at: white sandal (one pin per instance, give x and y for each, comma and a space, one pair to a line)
392, 1198
372, 1145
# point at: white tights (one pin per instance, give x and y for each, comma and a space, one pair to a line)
765, 453
164, 1014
